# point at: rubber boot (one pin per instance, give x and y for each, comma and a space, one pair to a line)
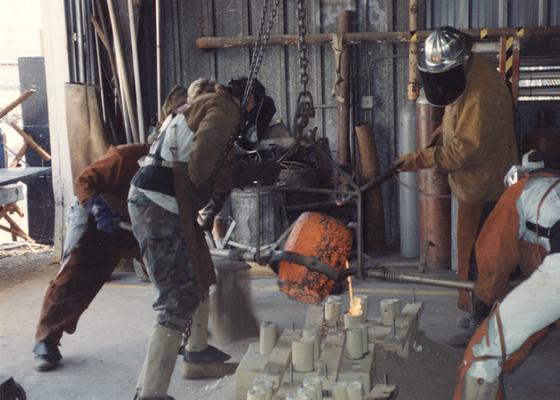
202, 361
159, 363
47, 356
479, 389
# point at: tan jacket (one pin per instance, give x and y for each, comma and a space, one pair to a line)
214, 118
479, 144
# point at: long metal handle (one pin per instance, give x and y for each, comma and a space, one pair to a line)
381, 273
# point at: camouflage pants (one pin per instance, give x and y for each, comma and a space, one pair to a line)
162, 243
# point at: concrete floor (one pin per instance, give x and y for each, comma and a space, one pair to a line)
102, 359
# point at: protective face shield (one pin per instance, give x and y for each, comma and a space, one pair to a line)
441, 65
514, 174
530, 161
258, 119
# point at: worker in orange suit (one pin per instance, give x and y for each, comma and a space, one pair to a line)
475, 144
523, 229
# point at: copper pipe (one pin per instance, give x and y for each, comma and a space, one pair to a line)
369, 166
434, 209
212, 42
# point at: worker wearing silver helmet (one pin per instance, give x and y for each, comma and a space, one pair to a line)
475, 144
527, 213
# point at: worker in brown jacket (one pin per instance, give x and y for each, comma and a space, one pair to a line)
475, 144
93, 247
189, 166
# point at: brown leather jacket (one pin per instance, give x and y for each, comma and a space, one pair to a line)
478, 135
111, 175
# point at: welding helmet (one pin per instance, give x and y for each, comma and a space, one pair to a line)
258, 118
441, 65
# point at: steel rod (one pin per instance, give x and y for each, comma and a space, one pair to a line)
136, 70
352, 38
307, 190
380, 273
158, 59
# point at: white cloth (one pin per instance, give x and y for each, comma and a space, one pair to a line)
177, 146
535, 303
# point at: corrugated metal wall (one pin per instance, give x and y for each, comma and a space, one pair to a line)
379, 69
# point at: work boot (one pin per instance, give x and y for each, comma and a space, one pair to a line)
478, 389
47, 356
159, 363
461, 341
209, 363
468, 322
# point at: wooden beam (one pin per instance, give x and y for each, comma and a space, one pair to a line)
19, 155
352, 38
24, 96
29, 140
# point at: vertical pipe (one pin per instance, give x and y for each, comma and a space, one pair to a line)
258, 225
100, 73
360, 233
121, 67
136, 68
80, 41
158, 59
408, 212
369, 166
434, 213
413, 88
343, 120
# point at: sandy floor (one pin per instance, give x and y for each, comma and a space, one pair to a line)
102, 359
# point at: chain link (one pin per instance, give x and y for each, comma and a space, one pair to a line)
304, 106
256, 61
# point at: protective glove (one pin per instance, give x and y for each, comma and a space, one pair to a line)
106, 219
415, 160
207, 215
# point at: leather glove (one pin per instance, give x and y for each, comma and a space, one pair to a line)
207, 215
106, 219
415, 160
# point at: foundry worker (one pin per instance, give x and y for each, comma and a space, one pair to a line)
93, 247
475, 144
94, 243
528, 212
189, 165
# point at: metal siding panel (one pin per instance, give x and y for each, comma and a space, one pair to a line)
232, 19
272, 72
195, 19
554, 13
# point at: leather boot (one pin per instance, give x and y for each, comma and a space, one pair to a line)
159, 363
47, 356
479, 389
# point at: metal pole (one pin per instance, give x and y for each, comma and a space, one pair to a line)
359, 235
136, 69
121, 67
258, 223
353, 38
100, 72
413, 88
80, 41
343, 118
379, 273
158, 59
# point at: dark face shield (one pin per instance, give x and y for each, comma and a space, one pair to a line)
259, 118
445, 87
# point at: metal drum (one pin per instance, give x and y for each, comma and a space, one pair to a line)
320, 236
244, 213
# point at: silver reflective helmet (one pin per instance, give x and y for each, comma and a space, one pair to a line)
441, 65
443, 50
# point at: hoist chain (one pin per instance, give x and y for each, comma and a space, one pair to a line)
260, 48
258, 54
304, 107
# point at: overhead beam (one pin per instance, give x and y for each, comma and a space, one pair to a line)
352, 38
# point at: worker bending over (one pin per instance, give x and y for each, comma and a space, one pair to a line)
93, 247
189, 165
475, 144
528, 211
